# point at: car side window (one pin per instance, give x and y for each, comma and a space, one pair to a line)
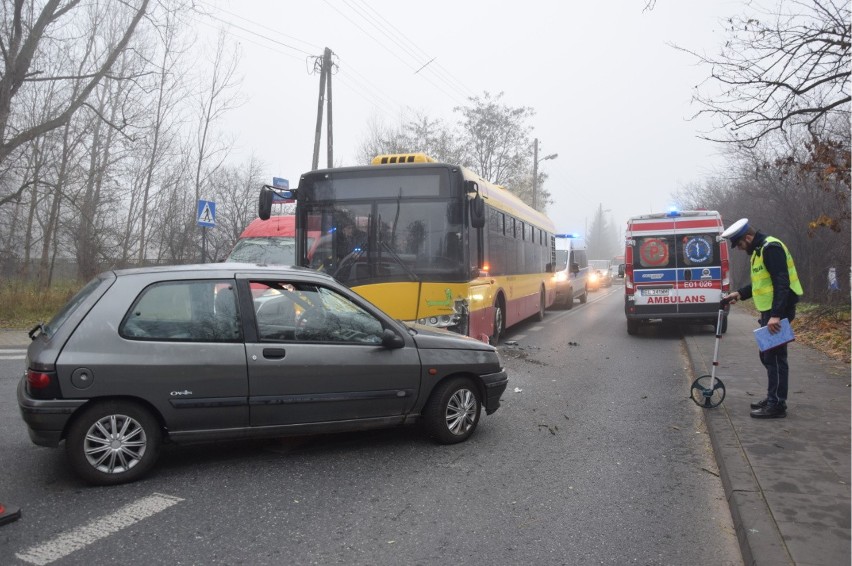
301, 312
184, 311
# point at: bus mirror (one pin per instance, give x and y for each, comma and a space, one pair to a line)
477, 212
264, 205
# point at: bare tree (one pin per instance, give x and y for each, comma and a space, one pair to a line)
219, 96
779, 69
22, 45
496, 139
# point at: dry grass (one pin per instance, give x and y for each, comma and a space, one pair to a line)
824, 328
22, 306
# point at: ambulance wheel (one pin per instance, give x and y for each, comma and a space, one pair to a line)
632, 326
703, 395
569, 302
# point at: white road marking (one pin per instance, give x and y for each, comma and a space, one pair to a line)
75, 539
12, 354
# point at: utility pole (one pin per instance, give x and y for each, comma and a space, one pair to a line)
325, 87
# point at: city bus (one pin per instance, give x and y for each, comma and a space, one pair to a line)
429, 243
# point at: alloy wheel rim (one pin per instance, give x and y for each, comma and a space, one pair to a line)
461, 411
115, 444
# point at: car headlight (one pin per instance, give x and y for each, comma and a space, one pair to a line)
593, 277
561, 276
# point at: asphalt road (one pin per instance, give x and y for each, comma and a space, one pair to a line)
596, 457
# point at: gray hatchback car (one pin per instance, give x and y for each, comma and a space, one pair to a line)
200, 353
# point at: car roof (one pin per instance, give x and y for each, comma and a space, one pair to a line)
222, 268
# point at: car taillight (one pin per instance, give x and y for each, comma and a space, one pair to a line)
38, 379
726, 282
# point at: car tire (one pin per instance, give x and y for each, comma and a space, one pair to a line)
632, 326
113, 442
499, 323
585, 296
453, 411
569, 302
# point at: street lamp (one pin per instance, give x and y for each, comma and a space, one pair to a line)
535, 171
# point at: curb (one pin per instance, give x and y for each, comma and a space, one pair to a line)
757, 532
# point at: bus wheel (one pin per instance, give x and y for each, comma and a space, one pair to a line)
541, 306
497, 332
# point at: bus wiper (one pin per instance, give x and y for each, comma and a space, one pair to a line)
399, 260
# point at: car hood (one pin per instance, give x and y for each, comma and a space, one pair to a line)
428, 337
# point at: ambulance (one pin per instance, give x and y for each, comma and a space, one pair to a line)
675, 268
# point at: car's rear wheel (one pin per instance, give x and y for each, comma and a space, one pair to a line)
453, 411
113, 442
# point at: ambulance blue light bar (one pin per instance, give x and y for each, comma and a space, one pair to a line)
673, 212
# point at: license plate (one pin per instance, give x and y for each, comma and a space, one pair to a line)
654, 292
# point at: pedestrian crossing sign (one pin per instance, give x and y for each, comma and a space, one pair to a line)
206, 213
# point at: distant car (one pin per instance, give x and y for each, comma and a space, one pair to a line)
600, 275
195, 353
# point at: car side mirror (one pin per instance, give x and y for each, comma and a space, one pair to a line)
391, 339
548, 268
575, 268
621, 270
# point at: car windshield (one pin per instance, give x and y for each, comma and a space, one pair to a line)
599, 264
273, 250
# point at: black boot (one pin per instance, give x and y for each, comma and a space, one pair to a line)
770, 412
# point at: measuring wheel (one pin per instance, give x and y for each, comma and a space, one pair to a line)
707, 391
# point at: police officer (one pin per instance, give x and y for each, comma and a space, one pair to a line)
776, 289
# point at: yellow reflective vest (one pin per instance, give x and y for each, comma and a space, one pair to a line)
761, 282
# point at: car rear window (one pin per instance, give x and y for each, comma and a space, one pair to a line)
185, 311
51, 327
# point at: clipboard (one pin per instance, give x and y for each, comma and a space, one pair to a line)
766, 340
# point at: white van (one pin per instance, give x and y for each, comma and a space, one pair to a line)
571, 270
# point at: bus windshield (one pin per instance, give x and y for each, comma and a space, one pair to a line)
385, 227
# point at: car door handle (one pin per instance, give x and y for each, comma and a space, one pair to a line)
274, 353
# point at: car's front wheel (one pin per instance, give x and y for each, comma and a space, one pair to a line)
451, 415
113, 442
